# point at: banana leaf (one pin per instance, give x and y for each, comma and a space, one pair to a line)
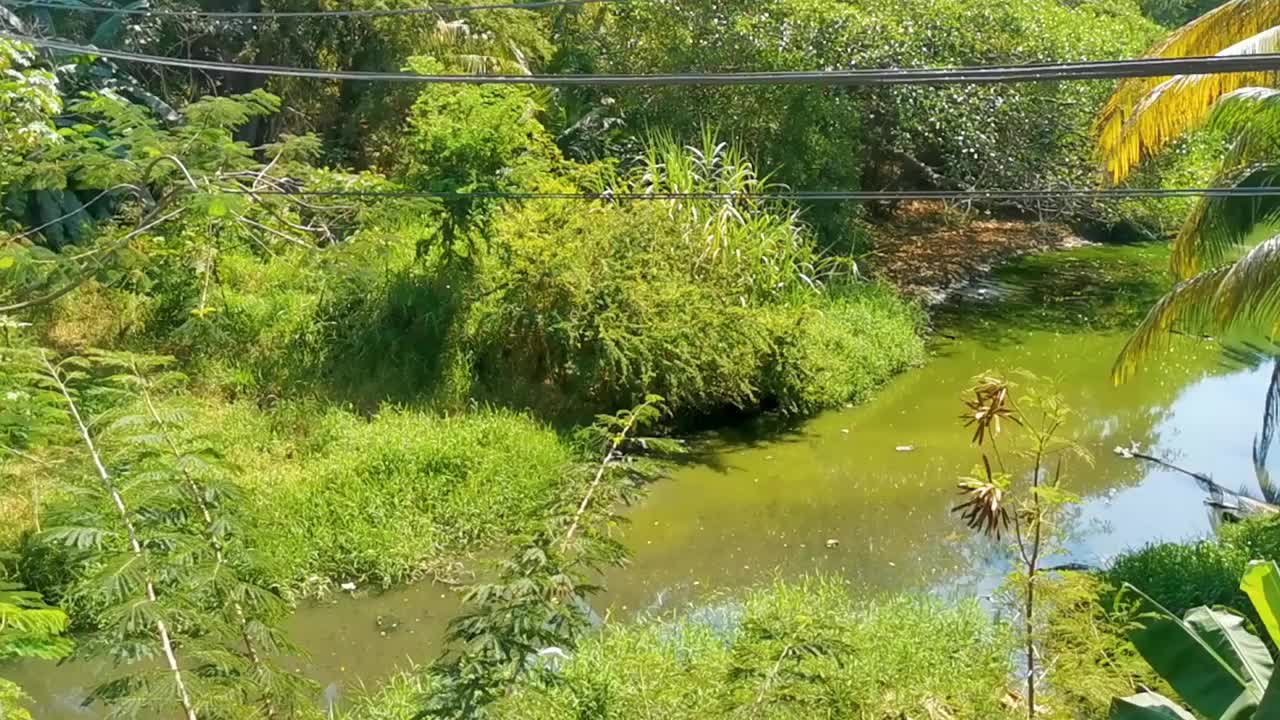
1223, 688
1147, 706
1261, 582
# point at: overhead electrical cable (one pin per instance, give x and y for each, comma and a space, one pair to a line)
235, 15
1093, 70
793, 195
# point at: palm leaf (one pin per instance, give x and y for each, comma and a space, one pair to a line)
1244, 296
1218, 225
1206, 35
1185, 305
1180, 103
1247, 110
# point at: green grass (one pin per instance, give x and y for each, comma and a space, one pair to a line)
330, 496
1181, 576
901, 657
842, 348
397, 698
335, 496
905, 656
1094, 660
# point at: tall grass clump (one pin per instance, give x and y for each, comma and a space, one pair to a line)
790, 650
333, 496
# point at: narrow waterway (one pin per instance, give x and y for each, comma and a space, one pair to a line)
863, 492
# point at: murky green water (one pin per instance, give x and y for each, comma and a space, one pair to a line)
843, 493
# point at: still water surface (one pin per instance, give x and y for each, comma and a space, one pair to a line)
842, 493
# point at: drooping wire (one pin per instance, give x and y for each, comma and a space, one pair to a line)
1093, 70
234, 15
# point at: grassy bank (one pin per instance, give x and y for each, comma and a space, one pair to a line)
328, 496
347, 385
385, 499
808, 649
790, 650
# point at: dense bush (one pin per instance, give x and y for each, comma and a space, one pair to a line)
1027, 135
709, 304
469, 138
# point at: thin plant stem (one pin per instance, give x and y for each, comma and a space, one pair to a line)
166, 643
611, 456
210, 534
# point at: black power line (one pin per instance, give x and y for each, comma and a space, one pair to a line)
797, 195
233, 15
1095, 70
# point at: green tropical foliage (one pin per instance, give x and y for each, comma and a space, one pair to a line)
221, 394
1209, 657
29, 628
1220, 292
904, 137
32, 629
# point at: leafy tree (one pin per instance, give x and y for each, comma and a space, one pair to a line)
155, 544
360, 121
182, 193
845, 138
474, 139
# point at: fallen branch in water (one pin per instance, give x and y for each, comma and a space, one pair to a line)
1244, 505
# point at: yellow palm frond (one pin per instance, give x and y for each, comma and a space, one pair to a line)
1179, 104
1242, 296
1207, 35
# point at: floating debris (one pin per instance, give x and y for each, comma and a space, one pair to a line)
348, 586
832, 542
905, 448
